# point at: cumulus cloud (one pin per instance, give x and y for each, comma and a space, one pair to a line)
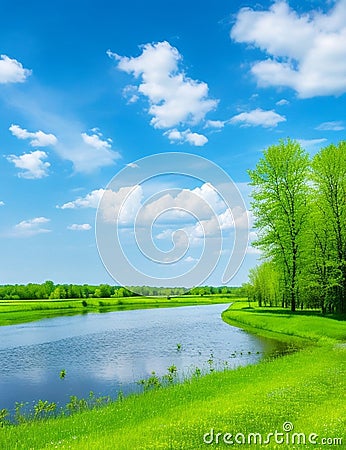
30, 227
174, 98
122, 204
336, 125
79, 227
130, 199
12, 71
258, 117
198, 212
305, 52
32, 164
196, 139
2, 203
89, 201
37, 138
94, 140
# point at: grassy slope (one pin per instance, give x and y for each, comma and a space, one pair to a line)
306, 388
19, 311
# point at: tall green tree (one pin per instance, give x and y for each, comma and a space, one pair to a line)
329, 177
280, 194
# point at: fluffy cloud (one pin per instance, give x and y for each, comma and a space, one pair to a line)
130, 200
258, 117
174, 98
89, 201
306, 52
94, 140
127, 201
37, 139
196, 139
12, 71
331, 126
2, 203
31, 163
30, 227
79, 227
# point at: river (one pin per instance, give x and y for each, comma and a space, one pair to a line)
109, 352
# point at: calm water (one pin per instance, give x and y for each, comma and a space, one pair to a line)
105, 353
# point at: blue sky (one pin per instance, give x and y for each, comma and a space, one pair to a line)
89, 88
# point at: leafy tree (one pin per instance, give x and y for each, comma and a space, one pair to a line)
329, 177
280, 207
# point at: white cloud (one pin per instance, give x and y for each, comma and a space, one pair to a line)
37, 139
95, 141
283, 102
174, 98
79, 227
89, 201
70, 146
304, 52
258, 117
218, 124
196, 139
30, 227
127, 201
336, 125
131, 94
12, 71
307, 143
31, 163
2, 203
132, 165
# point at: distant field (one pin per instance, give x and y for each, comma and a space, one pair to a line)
20, 311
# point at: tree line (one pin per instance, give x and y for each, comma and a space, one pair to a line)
299, 205
49, 290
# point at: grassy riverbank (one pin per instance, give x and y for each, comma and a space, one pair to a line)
306, 388
20, 311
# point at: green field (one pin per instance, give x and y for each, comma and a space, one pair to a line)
306, 388
20, 311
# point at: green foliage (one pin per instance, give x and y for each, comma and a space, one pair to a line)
4, 413
76, 404
43, 409
300, 211
280, 207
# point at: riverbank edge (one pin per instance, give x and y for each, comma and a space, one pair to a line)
14, 312
211, 386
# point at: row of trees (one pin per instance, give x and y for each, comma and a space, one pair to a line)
299, 206
49, 290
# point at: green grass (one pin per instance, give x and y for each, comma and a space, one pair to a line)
306, 388
282, 324
20, 311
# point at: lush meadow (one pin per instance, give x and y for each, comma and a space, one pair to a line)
19, 311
